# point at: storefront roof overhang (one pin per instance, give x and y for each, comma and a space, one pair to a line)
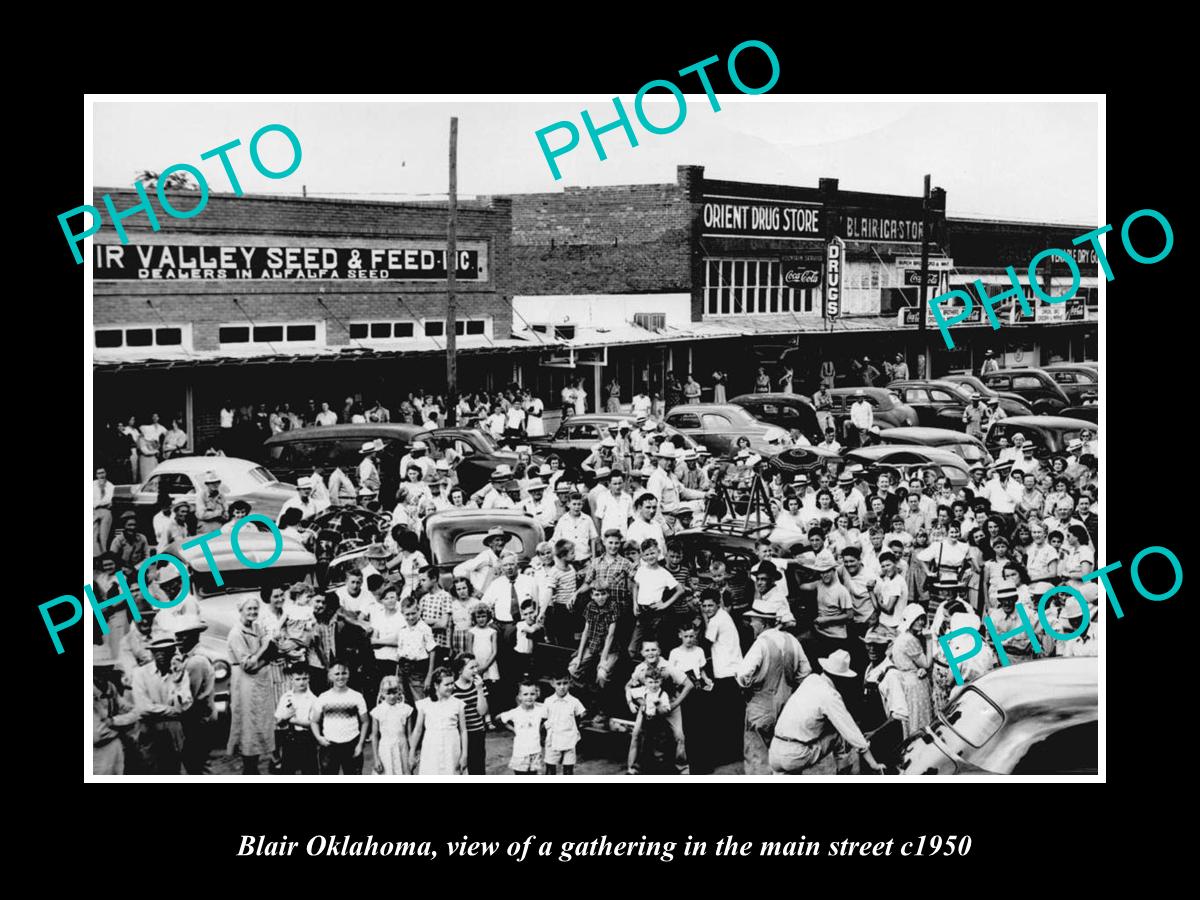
426, 346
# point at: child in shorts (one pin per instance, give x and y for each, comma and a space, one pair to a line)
526, 721
563, 713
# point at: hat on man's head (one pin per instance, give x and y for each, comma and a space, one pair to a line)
800, 478
774, 434
128, 515
1007, 592
649, 425
304, 481
989, 353
759, 610
163, 642
769, 569
535, 484
608, 442
562, 486
877, 635
1074, 445
494, 532
182, 501
823, 562
624, 423
860, 393
845, 478
442, 465
185, 623
371, 446
502, 472
993, 401
837, 663
689, 454
603, 472
211, 477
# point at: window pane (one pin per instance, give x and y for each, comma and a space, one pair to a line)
724, 301
381, 329
460, 327
234, 334
434, 328
139, 337
168, 337
403, 329
110, 337
302, 332
475, 326
264, 333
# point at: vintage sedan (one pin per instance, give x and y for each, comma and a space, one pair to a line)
183, 478
1044, 395
218, 603
575, 438
456, 535
1012, 404
939, 403
969, 448
888, 409
1034, 718
719, 425
788, 411
1081, 383
911, 458
1048, 434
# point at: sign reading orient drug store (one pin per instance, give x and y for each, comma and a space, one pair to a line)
404, 262
748, 217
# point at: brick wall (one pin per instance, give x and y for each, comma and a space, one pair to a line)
207, 304
620, 239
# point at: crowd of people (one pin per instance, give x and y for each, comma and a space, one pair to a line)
823, 655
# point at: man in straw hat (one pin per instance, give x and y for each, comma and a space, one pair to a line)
815, 723
368, 471
212, 510
161, 694
198, 719
771, 669
883, 711
111, 715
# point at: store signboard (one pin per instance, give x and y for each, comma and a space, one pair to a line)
835, 262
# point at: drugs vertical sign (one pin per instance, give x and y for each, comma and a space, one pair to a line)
835, 257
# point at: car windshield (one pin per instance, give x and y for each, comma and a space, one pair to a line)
242, 580
486, 439
970, 452
259, 475
973, 717
470, 544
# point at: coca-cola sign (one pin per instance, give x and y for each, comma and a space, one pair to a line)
803, 272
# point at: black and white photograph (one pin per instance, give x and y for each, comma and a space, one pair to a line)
714, 435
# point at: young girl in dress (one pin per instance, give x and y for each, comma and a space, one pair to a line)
439, 740
484, 642
391, 720
462, 598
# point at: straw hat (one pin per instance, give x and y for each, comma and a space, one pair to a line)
837, 663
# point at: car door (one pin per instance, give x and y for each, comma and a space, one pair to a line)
717, 433
918, 399
948, 409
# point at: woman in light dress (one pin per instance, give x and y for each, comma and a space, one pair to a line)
439, 738
251, 696
908, 653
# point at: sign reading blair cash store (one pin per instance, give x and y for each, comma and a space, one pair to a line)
233, 261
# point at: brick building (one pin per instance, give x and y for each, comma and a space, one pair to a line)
642, 280
262, 299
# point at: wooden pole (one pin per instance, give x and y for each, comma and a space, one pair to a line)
923, 340
451, 274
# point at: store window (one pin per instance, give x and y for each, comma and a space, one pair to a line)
381, 331
437, 327
270, 335
140, 337
738, 287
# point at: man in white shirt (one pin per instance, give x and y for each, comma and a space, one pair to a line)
989, 363
303, 502
326, 416
354, 598
482, 568
852, 499
615, 508
534, 409
1016, 451
830, 443
102, 498
540, 505
862, 417
644, 524
1003, 492
368, 472
577, 528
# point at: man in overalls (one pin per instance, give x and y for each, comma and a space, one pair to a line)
771, 670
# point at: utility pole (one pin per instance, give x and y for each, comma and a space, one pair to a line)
923, 335
451, 274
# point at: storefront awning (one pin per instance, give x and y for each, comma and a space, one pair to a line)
423, 346
997, 280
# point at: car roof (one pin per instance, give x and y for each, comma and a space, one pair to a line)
201, 464
255, 545
484, 518
1050, 366
708, 407
922, 434
953, 386
935, 454
1055, 422
1042, 681
365, 431
1023, 370
875, 391
740, 399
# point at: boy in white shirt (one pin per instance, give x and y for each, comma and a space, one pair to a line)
563, 713
526, 721
293, 722
654, 591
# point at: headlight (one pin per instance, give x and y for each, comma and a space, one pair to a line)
220, 669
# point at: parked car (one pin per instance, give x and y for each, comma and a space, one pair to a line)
218, 603
971, 449
939, 404
183, 478
1035, 718
456, 535
1048, 434
908, 458
1081, 383
788, 411
1012, 404
718, 426
291, 454
575, 438
889, 410
1040, 390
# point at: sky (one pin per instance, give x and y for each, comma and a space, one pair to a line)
1006, 159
